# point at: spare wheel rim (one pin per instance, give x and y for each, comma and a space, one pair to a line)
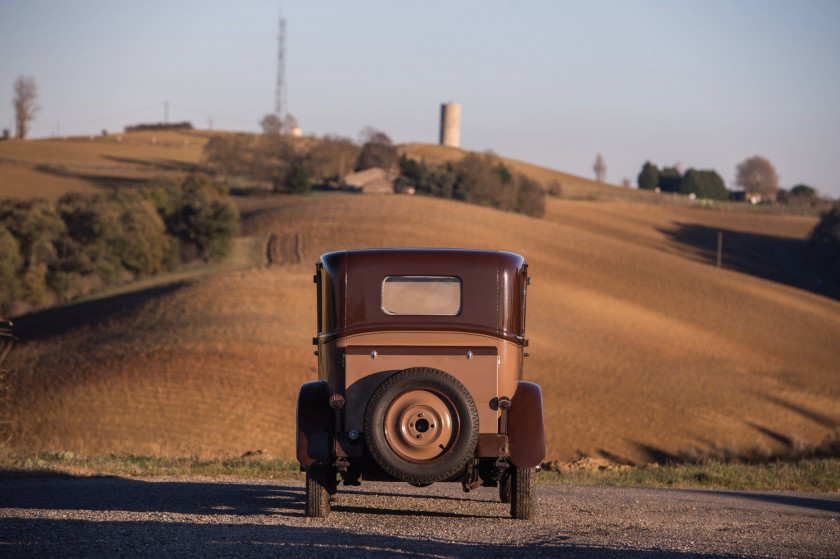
420, 426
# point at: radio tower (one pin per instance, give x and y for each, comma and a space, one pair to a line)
280, 92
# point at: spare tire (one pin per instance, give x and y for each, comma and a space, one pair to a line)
421, 425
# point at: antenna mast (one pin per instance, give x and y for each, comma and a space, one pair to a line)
280, 92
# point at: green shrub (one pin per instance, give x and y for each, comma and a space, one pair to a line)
530, 197
203, 220
484, 180
36, 225
297, 181
10, 266
35, 284
48, 251
477, 179
648, 178
704, 184
377, 151
144, 246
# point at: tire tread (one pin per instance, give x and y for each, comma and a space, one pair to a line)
523, 501
317, 492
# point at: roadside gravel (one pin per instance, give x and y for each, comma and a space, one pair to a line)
201, 517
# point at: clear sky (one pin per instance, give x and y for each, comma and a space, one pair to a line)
704, 84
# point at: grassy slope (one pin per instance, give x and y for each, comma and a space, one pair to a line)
642, 348
50, 168
573, 186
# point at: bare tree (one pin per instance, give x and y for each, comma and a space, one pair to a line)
600, 169
24, 102
370, 135
757, 176
378, 151
271, 124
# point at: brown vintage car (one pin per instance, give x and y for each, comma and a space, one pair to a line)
420, 355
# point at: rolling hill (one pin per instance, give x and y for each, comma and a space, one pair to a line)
53, 167
644, 349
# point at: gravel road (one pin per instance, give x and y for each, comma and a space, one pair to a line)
201, 517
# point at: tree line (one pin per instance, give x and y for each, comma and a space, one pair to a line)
285, 164
291, 165
476, 179
755, 175
53, 251
701, 183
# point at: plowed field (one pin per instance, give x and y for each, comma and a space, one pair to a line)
644, 349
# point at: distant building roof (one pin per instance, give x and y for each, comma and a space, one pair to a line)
375, 180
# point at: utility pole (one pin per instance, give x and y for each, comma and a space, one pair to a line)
166, 112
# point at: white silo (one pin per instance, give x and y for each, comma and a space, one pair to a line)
450, 125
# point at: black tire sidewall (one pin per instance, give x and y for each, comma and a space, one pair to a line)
317, 492
447, 386
523, 498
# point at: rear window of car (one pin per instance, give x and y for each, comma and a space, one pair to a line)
421, 295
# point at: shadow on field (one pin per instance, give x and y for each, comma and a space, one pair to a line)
154, 164
102, 517
110, 182
780, 259
50, 322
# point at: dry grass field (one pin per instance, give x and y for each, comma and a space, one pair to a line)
644, 349
51, 168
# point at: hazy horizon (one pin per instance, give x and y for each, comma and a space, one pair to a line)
699, 84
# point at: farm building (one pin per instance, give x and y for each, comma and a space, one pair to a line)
372, 181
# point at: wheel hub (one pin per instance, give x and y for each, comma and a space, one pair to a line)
420, 425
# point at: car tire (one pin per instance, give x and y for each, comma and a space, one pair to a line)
421, 426
523, 493
318, 491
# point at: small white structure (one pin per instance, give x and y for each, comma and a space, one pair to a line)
295, 132
450, 125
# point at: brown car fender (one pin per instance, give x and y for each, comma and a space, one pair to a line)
313, 424
526, 431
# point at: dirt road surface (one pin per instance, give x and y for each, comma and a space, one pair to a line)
200, 517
